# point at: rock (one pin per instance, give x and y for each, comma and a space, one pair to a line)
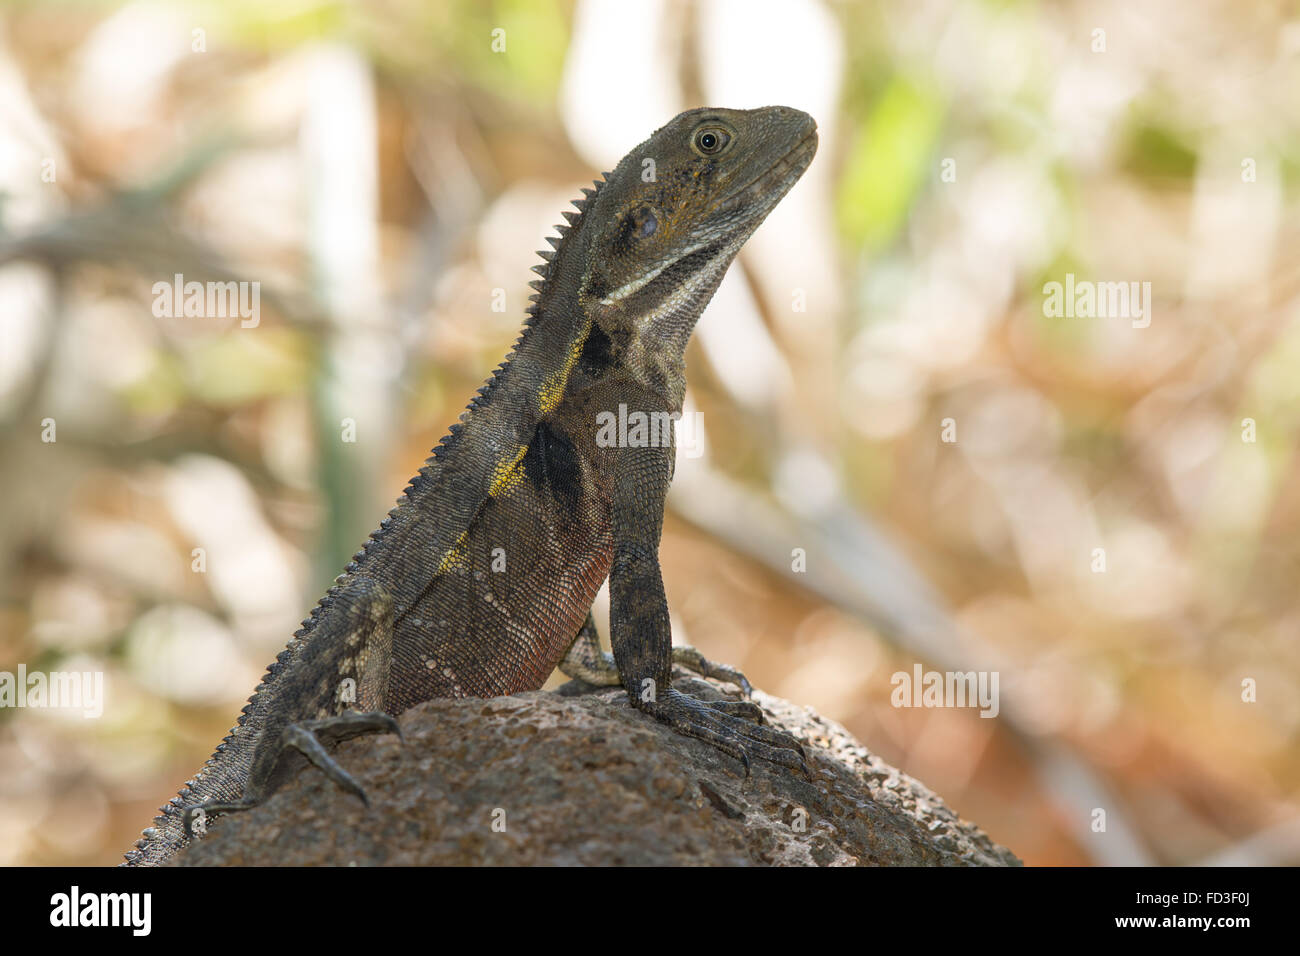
578, 777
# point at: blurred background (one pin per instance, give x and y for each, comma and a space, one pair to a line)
878, 381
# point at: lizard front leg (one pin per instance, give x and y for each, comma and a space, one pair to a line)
640, 631
586, 661
335, 690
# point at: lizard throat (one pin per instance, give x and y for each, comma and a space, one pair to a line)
641, 281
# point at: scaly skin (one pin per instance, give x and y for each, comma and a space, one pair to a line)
480, 581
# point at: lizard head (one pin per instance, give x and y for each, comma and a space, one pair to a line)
677, 209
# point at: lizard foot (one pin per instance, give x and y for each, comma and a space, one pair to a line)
585, 661
693, 660
722, 723
310, 739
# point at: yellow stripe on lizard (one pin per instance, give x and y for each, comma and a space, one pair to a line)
508, 473
455, 559
553, 387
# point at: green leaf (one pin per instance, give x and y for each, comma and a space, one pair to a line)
889, 160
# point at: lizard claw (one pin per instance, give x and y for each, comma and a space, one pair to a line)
693, 660
721, 724
302, 739
310, 736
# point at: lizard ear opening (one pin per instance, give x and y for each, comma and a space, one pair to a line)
647, 223
639, 223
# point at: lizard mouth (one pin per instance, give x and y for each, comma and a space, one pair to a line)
770, 186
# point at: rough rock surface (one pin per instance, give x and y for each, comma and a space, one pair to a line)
578, 777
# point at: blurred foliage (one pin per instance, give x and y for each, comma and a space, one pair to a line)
1158, 152
889, 162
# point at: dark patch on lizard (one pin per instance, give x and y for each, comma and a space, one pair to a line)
597, 286
597, 355
551, 464
640, 223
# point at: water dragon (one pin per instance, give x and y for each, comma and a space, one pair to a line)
480, 581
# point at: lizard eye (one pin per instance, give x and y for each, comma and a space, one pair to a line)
711, 140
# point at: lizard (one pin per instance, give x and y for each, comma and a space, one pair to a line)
480, 580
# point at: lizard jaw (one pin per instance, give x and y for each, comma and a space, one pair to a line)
770, 186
